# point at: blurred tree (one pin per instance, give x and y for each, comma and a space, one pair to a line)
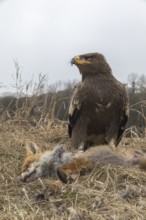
132, 79
142, 83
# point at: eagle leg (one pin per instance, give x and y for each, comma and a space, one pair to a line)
112, 144
79, 135
111, 135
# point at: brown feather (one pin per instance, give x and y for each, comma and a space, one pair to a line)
99, 105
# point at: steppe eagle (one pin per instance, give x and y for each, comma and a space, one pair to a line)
98, 111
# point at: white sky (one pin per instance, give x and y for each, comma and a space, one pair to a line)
43, 36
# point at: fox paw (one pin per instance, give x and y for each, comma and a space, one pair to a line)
67, 178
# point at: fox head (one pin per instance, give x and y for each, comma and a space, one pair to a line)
41, 164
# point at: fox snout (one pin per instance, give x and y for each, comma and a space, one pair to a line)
29, 175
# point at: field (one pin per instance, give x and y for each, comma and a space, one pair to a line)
108, 192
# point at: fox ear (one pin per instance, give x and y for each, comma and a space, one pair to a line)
32, 148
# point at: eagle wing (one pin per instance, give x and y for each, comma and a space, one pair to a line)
124, 119
75, 107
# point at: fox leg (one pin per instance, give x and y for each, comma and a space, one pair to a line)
70, 171
55, 186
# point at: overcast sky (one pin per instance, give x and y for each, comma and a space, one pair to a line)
43, 36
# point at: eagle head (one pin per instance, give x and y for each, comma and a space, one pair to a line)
91, 63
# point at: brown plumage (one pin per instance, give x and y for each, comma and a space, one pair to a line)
98, 111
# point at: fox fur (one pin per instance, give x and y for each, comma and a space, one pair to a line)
65, 165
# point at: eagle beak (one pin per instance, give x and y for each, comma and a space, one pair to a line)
78, 61
73, 61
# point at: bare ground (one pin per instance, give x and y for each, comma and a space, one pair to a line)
109, 192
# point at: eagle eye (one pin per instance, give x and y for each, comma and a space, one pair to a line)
87, 58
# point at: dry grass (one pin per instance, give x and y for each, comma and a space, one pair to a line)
111, 193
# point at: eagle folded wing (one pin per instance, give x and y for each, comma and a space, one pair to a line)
74, 110
123, 123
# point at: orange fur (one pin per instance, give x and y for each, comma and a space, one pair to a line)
30, 159
85, 162
63, 164
55, 185
76, 165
